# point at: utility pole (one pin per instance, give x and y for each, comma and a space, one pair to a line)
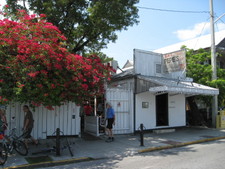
213, 63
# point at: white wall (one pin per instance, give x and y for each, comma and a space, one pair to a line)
177, 112
46, 121
145, 62
147, 116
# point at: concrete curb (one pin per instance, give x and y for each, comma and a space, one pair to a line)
76, 160
180, 145
51, 163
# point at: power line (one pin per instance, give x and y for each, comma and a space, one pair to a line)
201, 33
219, 18
169, 10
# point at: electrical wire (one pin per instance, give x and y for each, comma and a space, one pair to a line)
220, 18
201, 32
169, 10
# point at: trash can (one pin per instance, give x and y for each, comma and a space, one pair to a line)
220, 119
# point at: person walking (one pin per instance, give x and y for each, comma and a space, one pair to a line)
28, 125
110, 117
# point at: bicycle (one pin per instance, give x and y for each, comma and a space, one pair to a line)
64, 145
10, 143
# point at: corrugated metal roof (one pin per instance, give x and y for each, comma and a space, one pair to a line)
125, 73
195, 44
170, 85
179, 86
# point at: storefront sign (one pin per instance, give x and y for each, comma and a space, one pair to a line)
174, 61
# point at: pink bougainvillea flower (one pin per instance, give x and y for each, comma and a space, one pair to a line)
21, 85
42, 15
33, 74
34, 53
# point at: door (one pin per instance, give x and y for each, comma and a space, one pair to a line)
162, 110
121, 101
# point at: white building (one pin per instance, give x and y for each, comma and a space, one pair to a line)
156, 87
151, 90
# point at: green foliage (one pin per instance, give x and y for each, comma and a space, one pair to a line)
88, 24
200, 69
198, 66
220, 84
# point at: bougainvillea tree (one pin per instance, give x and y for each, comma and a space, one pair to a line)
36, 67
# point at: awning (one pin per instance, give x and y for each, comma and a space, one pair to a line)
166, 85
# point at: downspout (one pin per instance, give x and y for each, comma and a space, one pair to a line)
135, 91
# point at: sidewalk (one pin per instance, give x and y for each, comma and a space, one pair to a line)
124, 145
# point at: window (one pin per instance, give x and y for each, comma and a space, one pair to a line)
158, 68
145, 105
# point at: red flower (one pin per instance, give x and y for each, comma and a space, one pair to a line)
58, 66
21, 86
96, 78
5, 100
42, 15
88, 67
85, 86
33, 48
53, 86
44, 72
39, 85
33, 74
49, 107
35, 104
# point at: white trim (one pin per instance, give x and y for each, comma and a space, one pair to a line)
183, 90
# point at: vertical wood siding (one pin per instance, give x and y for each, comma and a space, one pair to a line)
121, 100
65, 117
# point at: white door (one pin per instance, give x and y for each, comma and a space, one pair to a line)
122, 103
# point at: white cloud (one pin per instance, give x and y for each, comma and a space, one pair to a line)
219, 26
197, 30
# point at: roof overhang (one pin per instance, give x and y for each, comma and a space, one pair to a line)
174, 86
183, 90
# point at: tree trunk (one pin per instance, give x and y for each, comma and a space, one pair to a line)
194, 116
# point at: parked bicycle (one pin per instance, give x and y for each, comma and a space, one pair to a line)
10, 143
64, 144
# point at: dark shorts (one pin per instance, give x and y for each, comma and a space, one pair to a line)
110, 123
27, 133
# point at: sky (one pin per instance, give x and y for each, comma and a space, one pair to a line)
158, 27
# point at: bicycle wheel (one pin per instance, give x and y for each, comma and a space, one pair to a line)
20, 147
3, 154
